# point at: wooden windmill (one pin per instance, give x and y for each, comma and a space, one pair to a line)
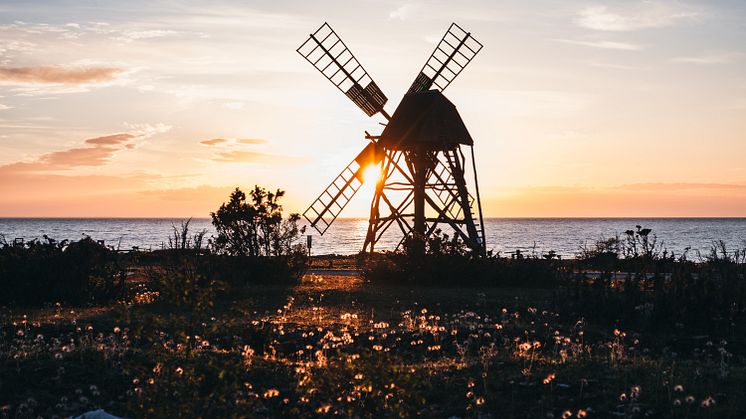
422, 183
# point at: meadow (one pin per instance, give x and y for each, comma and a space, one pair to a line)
377, 343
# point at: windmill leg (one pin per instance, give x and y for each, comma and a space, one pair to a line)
420, 169
375, 215
457, 169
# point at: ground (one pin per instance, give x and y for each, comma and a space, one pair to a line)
335, 345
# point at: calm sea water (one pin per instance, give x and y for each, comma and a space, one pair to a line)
563, 235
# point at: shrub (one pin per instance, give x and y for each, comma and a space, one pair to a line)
256, 227
448, 261
49, 271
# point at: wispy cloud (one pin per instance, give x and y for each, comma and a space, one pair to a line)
239, 156
228, 141
405, 11
236, 150
4, 107
96, 151
709, 59
55, 74
213, 141
623, 46
130, 36
634, 16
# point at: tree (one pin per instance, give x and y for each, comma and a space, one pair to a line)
255, 227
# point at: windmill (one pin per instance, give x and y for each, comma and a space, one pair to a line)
422, 182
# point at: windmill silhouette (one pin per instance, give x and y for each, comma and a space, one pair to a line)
422, 166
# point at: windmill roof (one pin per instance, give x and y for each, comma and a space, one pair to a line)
425, 118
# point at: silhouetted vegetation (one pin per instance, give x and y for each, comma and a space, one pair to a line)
633, 280
255, 227
42, 271
447, 261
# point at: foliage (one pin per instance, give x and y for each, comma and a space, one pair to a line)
179, 275
255, 227
448, 261
638, 283
49, 271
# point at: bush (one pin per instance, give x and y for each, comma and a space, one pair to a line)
255, 228
448, 261
49, 271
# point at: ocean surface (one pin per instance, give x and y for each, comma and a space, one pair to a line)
563, 235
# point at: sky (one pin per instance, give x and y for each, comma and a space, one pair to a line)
577, 108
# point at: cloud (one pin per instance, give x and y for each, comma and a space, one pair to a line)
129, 36
239, 156
54, 74
404, 12
214, 141
4, 107
111, 139
96, 151
724, 58
232, 141
623, 46
242, 150
642, 15
235, 150
252, 141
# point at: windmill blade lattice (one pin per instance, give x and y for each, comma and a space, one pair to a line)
329, 54
327, 207
452, 54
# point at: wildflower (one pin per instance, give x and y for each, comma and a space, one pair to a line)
709, 401
623, 397
566, 414
582, 413
117, 329
690, 399
179, 370
677, 402
678, 388
358, 376
272, 392
480, 401
549, 378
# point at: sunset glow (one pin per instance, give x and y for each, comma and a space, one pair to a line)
145, 109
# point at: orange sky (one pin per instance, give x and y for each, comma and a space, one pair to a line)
145, 109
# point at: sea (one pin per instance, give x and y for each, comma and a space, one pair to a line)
564, 236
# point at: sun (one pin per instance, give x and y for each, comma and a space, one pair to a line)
372, 173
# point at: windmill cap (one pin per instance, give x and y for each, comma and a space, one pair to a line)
425, 118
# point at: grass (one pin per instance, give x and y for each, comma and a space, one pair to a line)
341, 346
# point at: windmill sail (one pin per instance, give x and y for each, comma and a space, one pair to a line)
329, 54
452, 54
327, 207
